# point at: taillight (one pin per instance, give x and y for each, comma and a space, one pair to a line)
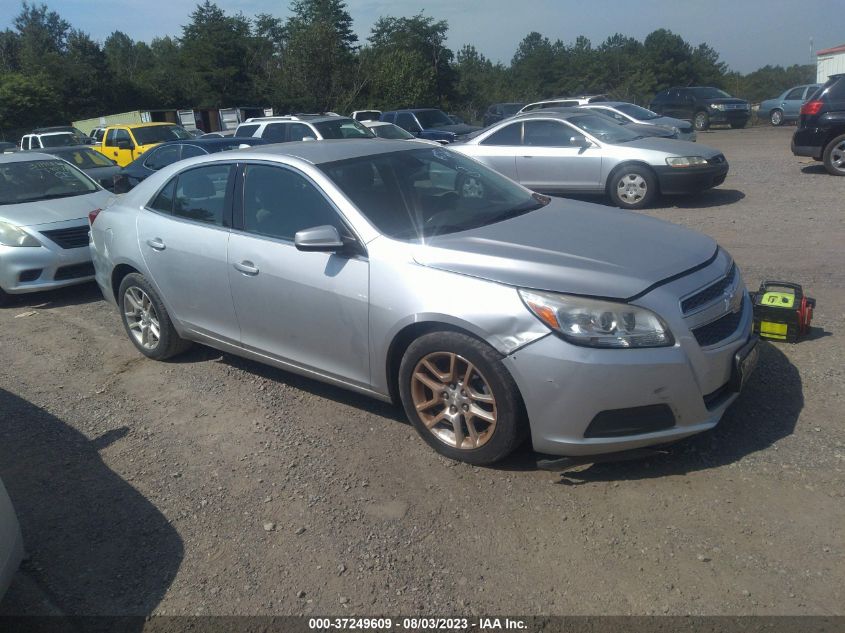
812, 107
92, 215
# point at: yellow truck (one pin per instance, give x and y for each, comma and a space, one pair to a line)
124, 143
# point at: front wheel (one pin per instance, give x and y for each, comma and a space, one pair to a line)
461, 399
632, 187
834, 156
776, 117
146, 320
701, 121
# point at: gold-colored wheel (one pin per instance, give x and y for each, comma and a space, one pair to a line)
454, 400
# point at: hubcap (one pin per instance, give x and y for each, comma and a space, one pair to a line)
776, 117
141, 317
631, 188
700, 121
837, 157
454, 400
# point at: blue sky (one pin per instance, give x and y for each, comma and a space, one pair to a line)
746, 33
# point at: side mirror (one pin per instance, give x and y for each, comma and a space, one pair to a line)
322, 239
579, 140
125, 144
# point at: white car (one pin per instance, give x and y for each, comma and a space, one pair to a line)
11, 542
383, 129
301, 127
366, 115
562, 102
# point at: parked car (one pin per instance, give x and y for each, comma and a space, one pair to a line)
124, 143
47, 139
170, 152
301, 127
223, 134
786, 107
11, 541
97, 135
562, 102
498, 111
79, 137
93, 163
626, 113
821, 126
44, 207
429, 123
573, 151
382, 129
640, 129
703, 106
6, 147
410, 272
366, 115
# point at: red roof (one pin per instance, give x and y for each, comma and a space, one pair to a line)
830, 51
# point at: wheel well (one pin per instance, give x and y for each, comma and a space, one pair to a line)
403, 340
120, 271
631, 163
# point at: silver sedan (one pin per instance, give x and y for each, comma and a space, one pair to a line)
44, 207
628, 113
409, 272
583, 152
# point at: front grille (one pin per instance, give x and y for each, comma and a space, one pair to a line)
735, 106
717, 330
73, 237
710, 293
75, 271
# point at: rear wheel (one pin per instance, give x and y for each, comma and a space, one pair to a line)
776, 117
146, 320
701, 121
834, 156
461, 399
632, 187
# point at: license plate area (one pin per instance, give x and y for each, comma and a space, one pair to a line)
744, 362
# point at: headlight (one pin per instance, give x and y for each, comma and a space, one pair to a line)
11, 235
717, 106
686, 161
594, 323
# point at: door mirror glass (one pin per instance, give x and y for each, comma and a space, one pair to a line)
579, 140
123, 143
319, 238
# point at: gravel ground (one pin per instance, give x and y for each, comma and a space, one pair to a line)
215, 485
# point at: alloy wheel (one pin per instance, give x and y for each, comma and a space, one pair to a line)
631, 188
454, 400
141, 317
837, 157
777, 117
700, 121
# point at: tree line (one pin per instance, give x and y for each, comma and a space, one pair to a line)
52, 73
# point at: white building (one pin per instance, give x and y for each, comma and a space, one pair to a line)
831, 61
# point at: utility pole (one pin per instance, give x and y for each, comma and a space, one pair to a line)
811, 50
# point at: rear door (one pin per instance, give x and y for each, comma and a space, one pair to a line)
552, 158
792, 101
184, 236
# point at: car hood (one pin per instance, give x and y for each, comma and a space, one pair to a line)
458, 129
659, 131
572, 247
672, 146
57, 210
670, 121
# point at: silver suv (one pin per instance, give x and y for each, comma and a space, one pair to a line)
410, 272
302, 127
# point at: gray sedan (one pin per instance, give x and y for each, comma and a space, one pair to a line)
629, 113
583, 152
44, 207
408, 272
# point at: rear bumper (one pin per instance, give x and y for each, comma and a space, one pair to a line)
691, 180
808, 142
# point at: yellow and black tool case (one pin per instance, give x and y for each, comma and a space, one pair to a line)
782, 312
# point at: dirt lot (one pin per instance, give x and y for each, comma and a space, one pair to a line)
216, 485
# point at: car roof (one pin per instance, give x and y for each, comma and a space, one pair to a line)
23, 157
310, 118
553, 113
331, 150
67, 148
212, 141
133, 125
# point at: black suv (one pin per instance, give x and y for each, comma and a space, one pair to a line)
821, 126
702, 106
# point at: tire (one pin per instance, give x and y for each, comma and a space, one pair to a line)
437, 364
737, 125
632, 187
834, 156
4, 298
776, 117
701, 121
141, 310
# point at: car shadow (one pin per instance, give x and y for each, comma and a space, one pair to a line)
816, 168
95, 544
702, 200
61, 297
767, 411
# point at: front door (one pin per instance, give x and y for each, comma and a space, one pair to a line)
500, 149
307, 308
552, 158
184, 238
111, 147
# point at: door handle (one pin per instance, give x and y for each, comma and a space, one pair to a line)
157, 244
247, 268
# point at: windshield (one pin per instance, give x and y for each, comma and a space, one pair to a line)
433, 118
41, 180
711, 93
60, 139
391, 131
84, 158
342, 128
159, 134
603, 128
425, 192
636, 112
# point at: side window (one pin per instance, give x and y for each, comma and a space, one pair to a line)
298, 131
201, 194
837, 89
811, 90
794, 95
547, 134
279, 202
189, 151
162, 157
274, 132
407, 122
615, 115
110, 141
122, 135
164, 200
246, 131
508, 135
36, 142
